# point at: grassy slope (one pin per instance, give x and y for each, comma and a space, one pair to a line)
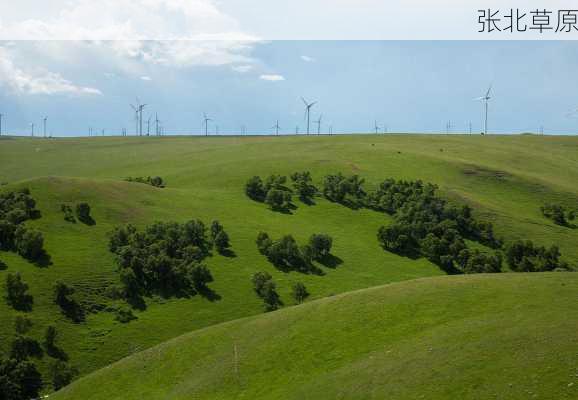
505, 178
472, 337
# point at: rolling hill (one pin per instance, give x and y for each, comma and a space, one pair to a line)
504, 178
506, 336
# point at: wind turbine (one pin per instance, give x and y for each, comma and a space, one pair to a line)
149, 126
44, 125
157, 124
206, 122
486, 98
135, 108
376, 127
276, 127
32, 129
318, 122
308, 111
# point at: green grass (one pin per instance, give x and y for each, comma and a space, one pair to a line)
506, 336
506, 179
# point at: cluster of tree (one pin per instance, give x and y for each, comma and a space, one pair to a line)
16, 208
267, 290
425, 225
287, 255
166, 258
347, 190
299, 292
274, 192
155, 181
558, 214
19, 376
17, 293
68, 214
70, 307
82, 213
523, 256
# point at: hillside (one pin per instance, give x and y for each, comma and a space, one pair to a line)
505, 179
508, 336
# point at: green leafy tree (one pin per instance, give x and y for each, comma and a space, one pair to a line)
321, 245
19, 380
299, 292
255, 189
17, 292
278, 200
29, 243
222, 241
61, 374
83, 213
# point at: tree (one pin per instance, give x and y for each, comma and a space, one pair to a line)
19, 380
61, 374
321, 245
299, 292
16, 293
201, 276
29, 243
270, 296
157, 181
22, 325
303, 187
216, 228
278, 200
259, 279
263, 242
222, 241
83, 213
255, 189
50, 337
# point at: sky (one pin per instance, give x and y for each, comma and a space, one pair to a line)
82, 63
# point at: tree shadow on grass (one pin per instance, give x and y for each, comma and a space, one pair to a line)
87, 221
208, 293
56, 352
229, 253
331, 261
43, 261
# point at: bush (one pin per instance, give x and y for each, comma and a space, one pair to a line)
61, 374
29, 243
124, 315
3, 265
523, 256
278, 200
69, 306
321, 245
263, 242
17, 293
83, 213
50, 337
24, 347
19, 380
558, 214
68, 214
165, 258
22, 325
303, 186
155, 181
299, 292
255, 189
266, 289
346, 190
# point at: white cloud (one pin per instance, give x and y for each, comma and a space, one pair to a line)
39, 82
307, 58
146, 78
166, 32
242, 68
272, 77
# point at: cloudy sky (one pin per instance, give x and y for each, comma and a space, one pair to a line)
82, 62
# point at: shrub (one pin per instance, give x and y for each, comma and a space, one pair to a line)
124, 315
523, 256
266, 289
22, 325
50, 337
19, 380
61, 374
29, 243
83, 213
321, 245
255, 189
303, 186
341, 189
3, 265
278, 200
222, 242
17, 293
299, 292
69, 306
24, 347
263, 242
155, 181
68, 214
558, 214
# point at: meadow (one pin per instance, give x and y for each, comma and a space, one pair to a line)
505, 179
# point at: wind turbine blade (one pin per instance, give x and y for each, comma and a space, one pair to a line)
478, 98
312, 104
489, 90
305, 102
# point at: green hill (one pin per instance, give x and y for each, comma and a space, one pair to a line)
505, 179
507, 336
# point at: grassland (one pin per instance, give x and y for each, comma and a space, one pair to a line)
505, 178
507, 336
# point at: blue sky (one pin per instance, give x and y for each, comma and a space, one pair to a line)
408, 86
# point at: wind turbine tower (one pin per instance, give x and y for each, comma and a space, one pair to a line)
486, 99
376, 127
318, 122
206, 122
276, 127
308, 111
32, 129
1, 115
44, 125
